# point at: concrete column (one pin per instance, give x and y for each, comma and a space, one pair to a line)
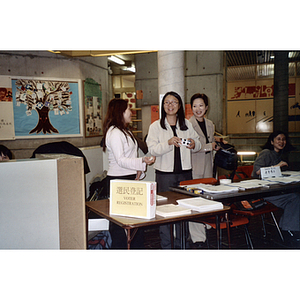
281, 91
171, 66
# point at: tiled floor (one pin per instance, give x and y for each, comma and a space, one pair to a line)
238, 241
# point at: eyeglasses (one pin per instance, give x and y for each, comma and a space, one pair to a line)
171, 103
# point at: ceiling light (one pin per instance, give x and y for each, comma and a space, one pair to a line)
116, 60
131, 69
55, 51
246, 153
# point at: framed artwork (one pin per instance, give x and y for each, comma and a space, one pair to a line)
47, 107
93, 108
7, 131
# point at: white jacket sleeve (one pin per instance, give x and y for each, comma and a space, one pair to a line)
193, 135
157, 140
124, 156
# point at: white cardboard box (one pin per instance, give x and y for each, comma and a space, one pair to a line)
133, 198
98, 224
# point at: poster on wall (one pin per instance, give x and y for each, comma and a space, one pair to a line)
130, 98
93, 108
250, 106
7, 131
46, 108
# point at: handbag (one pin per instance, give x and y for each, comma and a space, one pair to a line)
226, 157
250, 204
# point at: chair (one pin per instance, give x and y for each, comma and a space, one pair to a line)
199, 180
268, 208
244, 172
234, 221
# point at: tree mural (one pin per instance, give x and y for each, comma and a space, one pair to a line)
44, 96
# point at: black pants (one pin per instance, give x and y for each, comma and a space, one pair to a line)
118, 235
164, 181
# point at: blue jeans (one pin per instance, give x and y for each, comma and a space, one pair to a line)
290, 203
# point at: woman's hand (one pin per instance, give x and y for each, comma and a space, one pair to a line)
215, 146
281, 164
138, 175
192, 144
176, 141
149, 160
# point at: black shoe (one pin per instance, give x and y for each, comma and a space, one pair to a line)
292, 239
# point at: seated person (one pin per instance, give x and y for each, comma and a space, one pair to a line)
275, 153
5, 153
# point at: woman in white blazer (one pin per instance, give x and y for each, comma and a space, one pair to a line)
173, 159
202, 161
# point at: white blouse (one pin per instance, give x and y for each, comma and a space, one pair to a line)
122, 154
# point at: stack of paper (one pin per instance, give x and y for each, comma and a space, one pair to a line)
290, 173
212, 188
171, 210
283, 179
160, 198
249, 184
200, 204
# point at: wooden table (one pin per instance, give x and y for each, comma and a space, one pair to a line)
131, 225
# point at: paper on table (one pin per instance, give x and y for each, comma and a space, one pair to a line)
282, 179
170, 210
200, 204
249, 184
212, 188
160, 198
290, 173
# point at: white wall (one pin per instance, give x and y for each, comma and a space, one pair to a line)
29, 205
95, 162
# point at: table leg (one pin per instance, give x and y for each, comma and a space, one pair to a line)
182, 234
172, 235
87, 226
130, 236
228, 230
218, 232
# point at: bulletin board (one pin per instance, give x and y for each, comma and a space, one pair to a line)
47, 107
93, 108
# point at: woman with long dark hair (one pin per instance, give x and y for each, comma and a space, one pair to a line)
275, 153
173, 158
122, 150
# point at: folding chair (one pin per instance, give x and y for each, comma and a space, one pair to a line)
234, 221
268, 208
